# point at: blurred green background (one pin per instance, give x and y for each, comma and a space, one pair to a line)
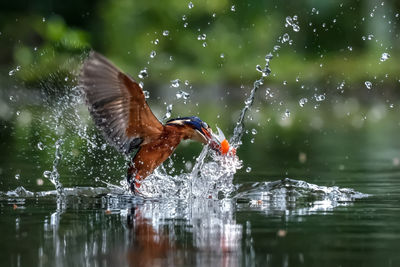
317, 94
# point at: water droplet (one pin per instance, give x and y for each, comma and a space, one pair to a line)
233, 8
143, 73
276, 48
248, 169
184, 17
368, 84
269, 56
289, 21
350, 48
202, 36
204, 44
18, 112
165, 33
47, 174
40, 146
175, 83
287, 113
303, 101
254, 131
168, 113
320, 98
265, 71
190, 5
247, 102
43, 19
17, 176
222, 55
296, 27
153, 54
13, 71
146, 94
156, 41
185, 24
384, 57
182, 94
103, 146
341, 85
285, 38
370, 37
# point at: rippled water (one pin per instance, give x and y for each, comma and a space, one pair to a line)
279, 223
310, 219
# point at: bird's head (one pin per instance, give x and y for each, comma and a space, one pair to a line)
200, 131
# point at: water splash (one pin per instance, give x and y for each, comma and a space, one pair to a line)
282, 194
55, 175
235, 141
211, 177
289, 193
212, 174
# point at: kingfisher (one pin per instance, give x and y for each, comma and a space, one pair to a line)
119, 109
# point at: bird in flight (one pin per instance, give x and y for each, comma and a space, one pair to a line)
119, 109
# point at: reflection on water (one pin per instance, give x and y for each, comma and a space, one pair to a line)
125, 232
101, 226
203, 232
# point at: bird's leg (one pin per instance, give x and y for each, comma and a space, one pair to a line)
131, 175
133, 178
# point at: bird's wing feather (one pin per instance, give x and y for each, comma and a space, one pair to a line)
117, 104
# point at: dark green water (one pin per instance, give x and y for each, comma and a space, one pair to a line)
120, 230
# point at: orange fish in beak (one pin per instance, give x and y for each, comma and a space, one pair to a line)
221, 145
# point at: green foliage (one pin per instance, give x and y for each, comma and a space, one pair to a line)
233, 43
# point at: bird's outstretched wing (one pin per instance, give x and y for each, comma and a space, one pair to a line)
117, 104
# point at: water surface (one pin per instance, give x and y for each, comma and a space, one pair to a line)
265, 224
